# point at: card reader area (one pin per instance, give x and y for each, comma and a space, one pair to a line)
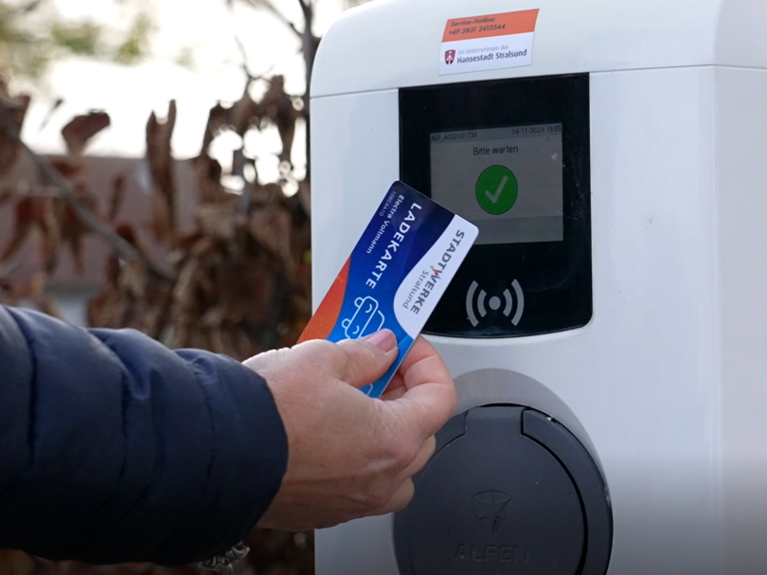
512, 157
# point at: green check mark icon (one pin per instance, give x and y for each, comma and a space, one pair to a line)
496, 190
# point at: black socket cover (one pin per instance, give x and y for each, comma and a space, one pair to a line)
508, 491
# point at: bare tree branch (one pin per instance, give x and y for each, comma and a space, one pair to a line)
273, 9
240, 46
308, 39
123, 248
250, 77
309, 48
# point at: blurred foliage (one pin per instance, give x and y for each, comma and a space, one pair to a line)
21, 50
81, 39
134, 47
237, 282
33, 34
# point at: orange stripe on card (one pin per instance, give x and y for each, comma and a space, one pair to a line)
325, 318
490, 25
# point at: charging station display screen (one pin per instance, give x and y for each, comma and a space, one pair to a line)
506, 180
513, 156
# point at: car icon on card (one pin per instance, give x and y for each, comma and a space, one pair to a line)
366, 319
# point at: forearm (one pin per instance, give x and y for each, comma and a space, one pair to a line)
115, 448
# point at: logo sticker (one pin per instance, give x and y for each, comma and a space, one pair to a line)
488, 42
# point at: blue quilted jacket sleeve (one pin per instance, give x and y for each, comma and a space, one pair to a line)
114, 448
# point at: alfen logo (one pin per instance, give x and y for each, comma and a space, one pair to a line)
449, 56
490, 510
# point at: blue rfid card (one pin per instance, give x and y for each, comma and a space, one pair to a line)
396, 274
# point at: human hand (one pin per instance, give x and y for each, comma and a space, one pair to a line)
349, 455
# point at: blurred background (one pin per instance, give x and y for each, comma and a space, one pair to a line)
154, 175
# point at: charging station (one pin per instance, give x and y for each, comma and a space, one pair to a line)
608, 331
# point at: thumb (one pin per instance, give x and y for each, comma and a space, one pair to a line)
429, 398
368, 358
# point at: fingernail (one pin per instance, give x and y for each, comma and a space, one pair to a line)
384, 339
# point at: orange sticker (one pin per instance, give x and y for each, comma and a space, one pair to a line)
489, 42
504, 24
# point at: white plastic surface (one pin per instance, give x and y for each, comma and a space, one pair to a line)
667, 385
355, 158
741, 211
396, 43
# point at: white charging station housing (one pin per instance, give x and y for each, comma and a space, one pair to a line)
665, 383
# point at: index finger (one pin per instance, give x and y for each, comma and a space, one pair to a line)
429, 398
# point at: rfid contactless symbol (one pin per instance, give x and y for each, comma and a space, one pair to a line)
495, 303
366, 319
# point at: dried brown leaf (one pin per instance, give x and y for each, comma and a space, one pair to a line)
218, 221
50, 225
134, 279
240, 161
110, 308
239, 345
112, 270
158, 154
13, 109
24, 221
213, 317
187, 306
116, 199
245, 113
161, 226
73, 230
136, 299
126, 232
239, 117
44, 216
279, 109
267, 194
208, 172
247, 292
80, 129
270, 227
217, 119
66, 166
